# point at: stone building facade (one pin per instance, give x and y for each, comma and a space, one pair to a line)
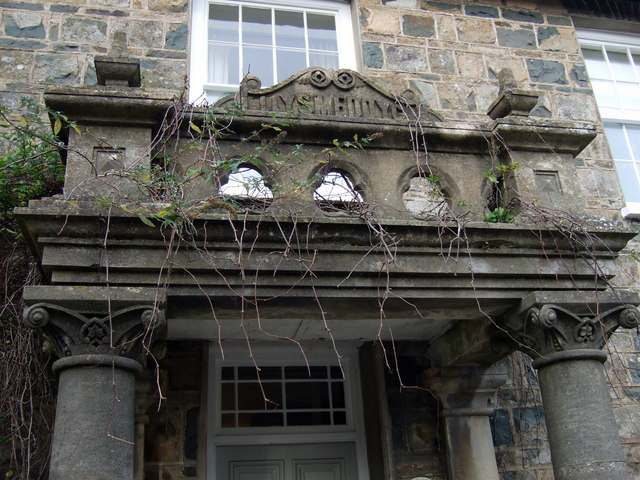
416, 323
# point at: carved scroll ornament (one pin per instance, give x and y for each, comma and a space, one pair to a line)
550, 328
121, 333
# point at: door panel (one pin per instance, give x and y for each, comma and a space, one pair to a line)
256, 470
317, 461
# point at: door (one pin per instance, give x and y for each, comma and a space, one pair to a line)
320, 461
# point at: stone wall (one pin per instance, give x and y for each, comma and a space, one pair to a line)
172, 442
451, 53
54, 42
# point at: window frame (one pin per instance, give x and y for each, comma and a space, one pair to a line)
198, 85
236, 353
627, 42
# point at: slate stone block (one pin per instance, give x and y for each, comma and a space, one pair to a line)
520, 38
481, 11
24, 25
546, 71
177, 38
522, 16
418, 26
411, 59
84, 30
372, 55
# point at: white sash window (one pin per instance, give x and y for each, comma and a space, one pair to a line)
271, 40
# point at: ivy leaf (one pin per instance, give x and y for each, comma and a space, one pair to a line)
195, 128
145, 220
57, 126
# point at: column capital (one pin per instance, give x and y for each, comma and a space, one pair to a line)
122, 332
466, 391
549, 322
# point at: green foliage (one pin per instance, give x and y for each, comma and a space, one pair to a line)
499, 215
493, 175
30, 166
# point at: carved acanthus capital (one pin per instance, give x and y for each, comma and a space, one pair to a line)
123, 332
545, 328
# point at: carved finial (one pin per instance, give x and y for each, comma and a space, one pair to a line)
511, 99
506, 80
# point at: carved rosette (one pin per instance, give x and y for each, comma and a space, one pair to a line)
550, 328
122, 333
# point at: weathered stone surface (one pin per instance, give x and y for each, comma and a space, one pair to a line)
457, 96
546, 71
578, 74
380, 22
557, 40
441, 6
372, 55
481, 11
21, 44
75, 29
23, 24
418, 26
164, 6
408, 59
475, 30
17, 64
141, 33
522, 15
471, 65
177, 37
576, 107
427, 93
520, 38
442, 62
56, 68
446, 28
163, 73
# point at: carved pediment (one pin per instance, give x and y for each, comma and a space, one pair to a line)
336, 95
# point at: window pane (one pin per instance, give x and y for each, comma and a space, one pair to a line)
307, 395
309, 418
259, 63
256, 26
629, 181
636, 61
289, 29
322, 32
339, 418
290, 62
620, 66
223, 23
596, 64
630, 93
337, 394
633, 133
617, 141
324, 60
605, 93
228, 397
305, 372
260, 419
250, 396
224, 64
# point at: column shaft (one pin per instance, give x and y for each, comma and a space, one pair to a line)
94, 425
470, 451
583, 433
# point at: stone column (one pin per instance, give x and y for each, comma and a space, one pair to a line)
94, 425
467, 396
565, 341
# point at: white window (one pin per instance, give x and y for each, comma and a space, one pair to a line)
613, 64
271, 40
294, 416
